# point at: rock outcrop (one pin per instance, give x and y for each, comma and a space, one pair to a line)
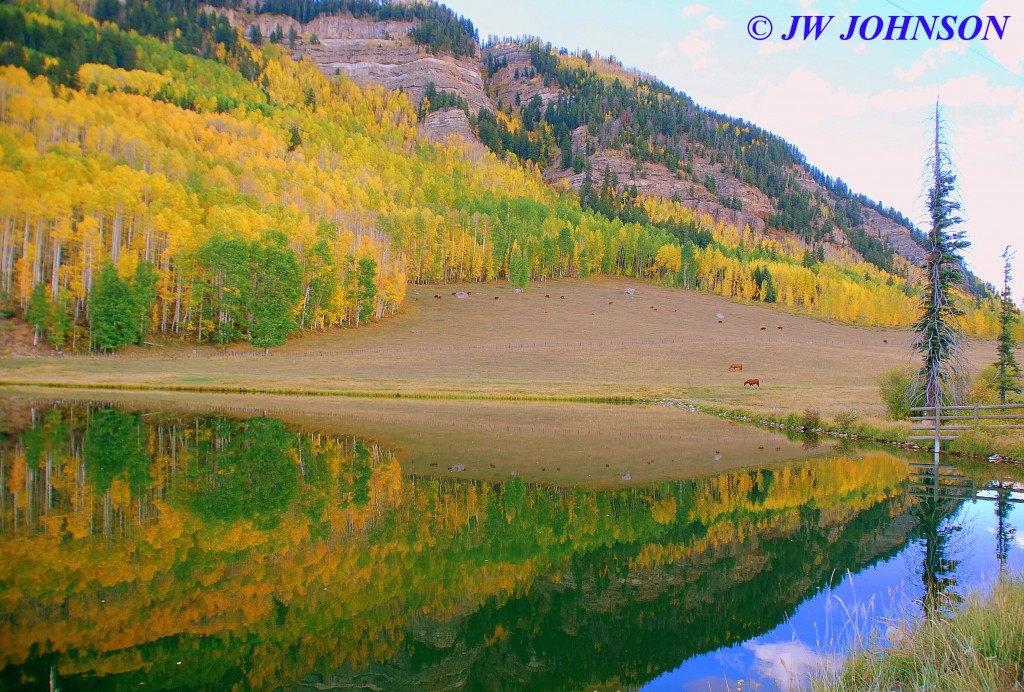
896, 235
439, 126
656, 180
369, 52
513, 78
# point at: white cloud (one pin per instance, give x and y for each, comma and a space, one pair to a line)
1009, 51
930, 59
875, 139
806, 94
715, 23
695, 45
789, 664
694, 10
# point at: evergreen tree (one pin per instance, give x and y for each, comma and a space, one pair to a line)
1008, 373
144, 294
61, 319
518, 266
107, 10
228, 287
942, 376
587, 197
276, 289
366, 289
255, 35
112, 310
38, 314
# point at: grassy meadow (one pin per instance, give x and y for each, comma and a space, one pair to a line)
557, 339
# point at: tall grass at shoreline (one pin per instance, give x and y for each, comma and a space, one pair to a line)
980, 647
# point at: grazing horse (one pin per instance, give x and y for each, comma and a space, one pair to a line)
753, 382
780, 328
735, 366
764, 329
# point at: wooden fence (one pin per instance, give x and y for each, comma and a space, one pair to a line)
943, 423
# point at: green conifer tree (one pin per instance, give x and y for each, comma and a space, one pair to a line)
61, 319
366, 289
942, 376
112, 310
518, 267
276, 289
1008, 373
38, 314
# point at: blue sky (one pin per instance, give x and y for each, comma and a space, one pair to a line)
859, 110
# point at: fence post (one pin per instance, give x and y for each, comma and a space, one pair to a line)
975, 414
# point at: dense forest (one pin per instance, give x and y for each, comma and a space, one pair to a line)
177, 181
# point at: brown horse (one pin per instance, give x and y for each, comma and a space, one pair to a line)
735, 366
753, 382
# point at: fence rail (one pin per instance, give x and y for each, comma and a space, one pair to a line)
945, 423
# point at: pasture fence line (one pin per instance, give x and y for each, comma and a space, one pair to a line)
939, 424
209, 354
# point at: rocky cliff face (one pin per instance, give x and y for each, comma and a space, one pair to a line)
512, 79
369, 52
439, 126
898, 237
656, 180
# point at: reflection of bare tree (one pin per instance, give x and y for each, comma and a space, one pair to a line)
938, 530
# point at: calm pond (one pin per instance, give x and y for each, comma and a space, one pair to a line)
165, 548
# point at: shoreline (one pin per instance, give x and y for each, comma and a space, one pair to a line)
809, 423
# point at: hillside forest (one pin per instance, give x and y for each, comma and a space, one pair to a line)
166, 178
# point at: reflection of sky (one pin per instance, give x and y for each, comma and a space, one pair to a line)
855, 607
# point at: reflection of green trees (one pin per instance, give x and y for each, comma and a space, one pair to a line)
297, 555
608, 621
246, 472
1005, 533
113, 445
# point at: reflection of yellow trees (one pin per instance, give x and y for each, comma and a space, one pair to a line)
359, 554
738, 506
853, 483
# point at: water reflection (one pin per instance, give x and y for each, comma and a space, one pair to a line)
941, 492
215, 552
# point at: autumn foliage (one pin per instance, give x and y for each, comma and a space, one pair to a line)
185, 176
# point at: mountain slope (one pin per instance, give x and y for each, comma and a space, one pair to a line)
204, 187
581, 109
